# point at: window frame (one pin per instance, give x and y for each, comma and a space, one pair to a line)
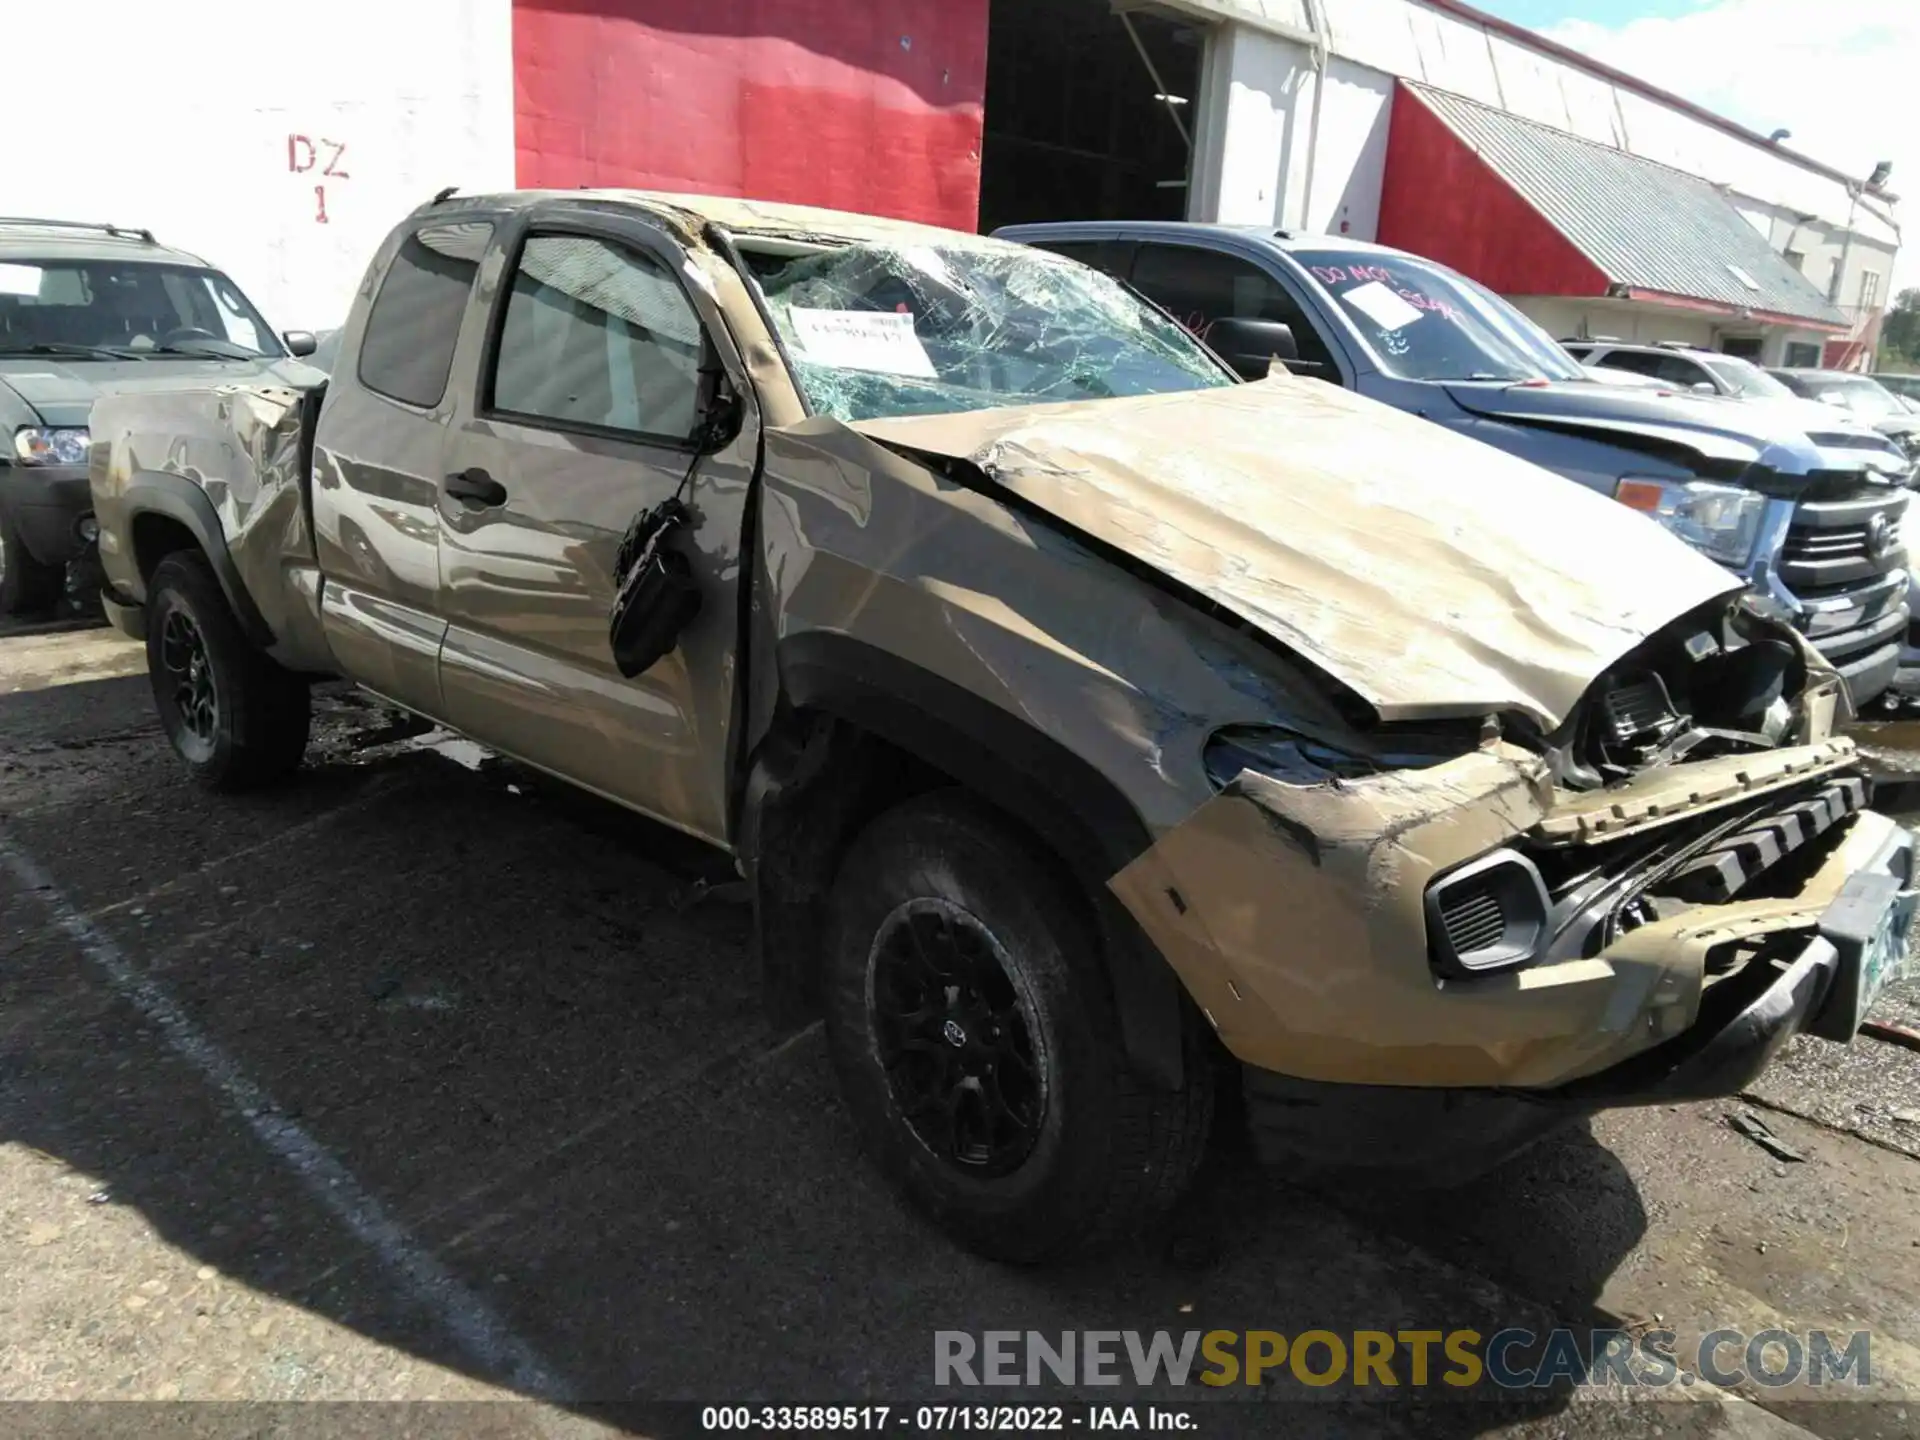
494, 222
635, 235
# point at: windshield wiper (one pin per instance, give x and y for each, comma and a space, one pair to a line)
199, 350
48, 347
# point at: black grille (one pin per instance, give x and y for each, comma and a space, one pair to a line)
1473, 918
1739, 860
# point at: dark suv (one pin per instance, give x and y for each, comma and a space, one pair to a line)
86, 309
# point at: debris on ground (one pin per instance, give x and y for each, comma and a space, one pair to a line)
732, 892
1894, 1034
1755, 1129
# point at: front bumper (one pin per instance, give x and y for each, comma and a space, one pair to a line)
1294, 916
47, 503
1448, 1136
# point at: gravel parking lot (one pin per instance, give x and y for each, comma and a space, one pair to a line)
426, 1078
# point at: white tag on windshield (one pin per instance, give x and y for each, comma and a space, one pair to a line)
878, 340
1382, 306
20, 280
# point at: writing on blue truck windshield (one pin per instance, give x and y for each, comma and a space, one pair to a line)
1424, 322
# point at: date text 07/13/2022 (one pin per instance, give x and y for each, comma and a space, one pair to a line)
942, 1419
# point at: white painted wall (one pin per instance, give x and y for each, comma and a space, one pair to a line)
1373, 41
1561, 317
1254, 121
1352, 158
1262, 144
1645, 324
231, 127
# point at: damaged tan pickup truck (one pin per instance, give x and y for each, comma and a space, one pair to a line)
1096, 732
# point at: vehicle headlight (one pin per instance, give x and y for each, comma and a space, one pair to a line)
67, 445
1720, 521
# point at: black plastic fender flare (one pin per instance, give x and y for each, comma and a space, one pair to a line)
161, 492
1075, 810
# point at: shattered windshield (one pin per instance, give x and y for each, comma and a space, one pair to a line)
877, 330
1424, 322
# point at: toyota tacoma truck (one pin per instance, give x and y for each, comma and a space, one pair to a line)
1811, 520
1092, 730
85, 309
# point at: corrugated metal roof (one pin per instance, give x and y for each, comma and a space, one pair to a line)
1646, 225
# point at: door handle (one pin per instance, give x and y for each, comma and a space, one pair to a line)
476, 487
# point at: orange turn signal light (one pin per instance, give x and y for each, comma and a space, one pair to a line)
1639, 495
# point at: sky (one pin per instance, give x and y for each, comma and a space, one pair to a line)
1840, 74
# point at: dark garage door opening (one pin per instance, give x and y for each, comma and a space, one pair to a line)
1077, 125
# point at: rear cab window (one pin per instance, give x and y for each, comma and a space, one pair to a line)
1198, 286
406, 351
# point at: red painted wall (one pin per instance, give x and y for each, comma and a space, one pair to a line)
875, 106
1441, 200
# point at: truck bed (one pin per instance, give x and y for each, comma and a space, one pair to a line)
228, 466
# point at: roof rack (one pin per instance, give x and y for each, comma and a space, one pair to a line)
117, 231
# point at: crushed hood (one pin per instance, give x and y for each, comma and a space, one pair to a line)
1430, 573
61, 389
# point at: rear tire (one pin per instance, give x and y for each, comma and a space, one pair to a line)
237, 719
977, 1046
27, 587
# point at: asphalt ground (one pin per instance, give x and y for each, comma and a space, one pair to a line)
426, 1079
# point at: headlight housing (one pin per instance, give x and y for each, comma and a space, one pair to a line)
1297, 759
1720, 521
59, 445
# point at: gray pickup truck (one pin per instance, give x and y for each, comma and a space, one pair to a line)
1810, 520
1093, 730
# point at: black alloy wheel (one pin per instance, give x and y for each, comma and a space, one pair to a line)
188, 673
964, 1058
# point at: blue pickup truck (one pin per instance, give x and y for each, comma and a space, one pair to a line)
1811, 519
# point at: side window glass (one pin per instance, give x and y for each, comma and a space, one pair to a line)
1676, 371
1636, 361
598, 335
407, 349
1200, 286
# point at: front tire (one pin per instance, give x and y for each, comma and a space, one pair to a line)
237, 719
27, 587
977, 1046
